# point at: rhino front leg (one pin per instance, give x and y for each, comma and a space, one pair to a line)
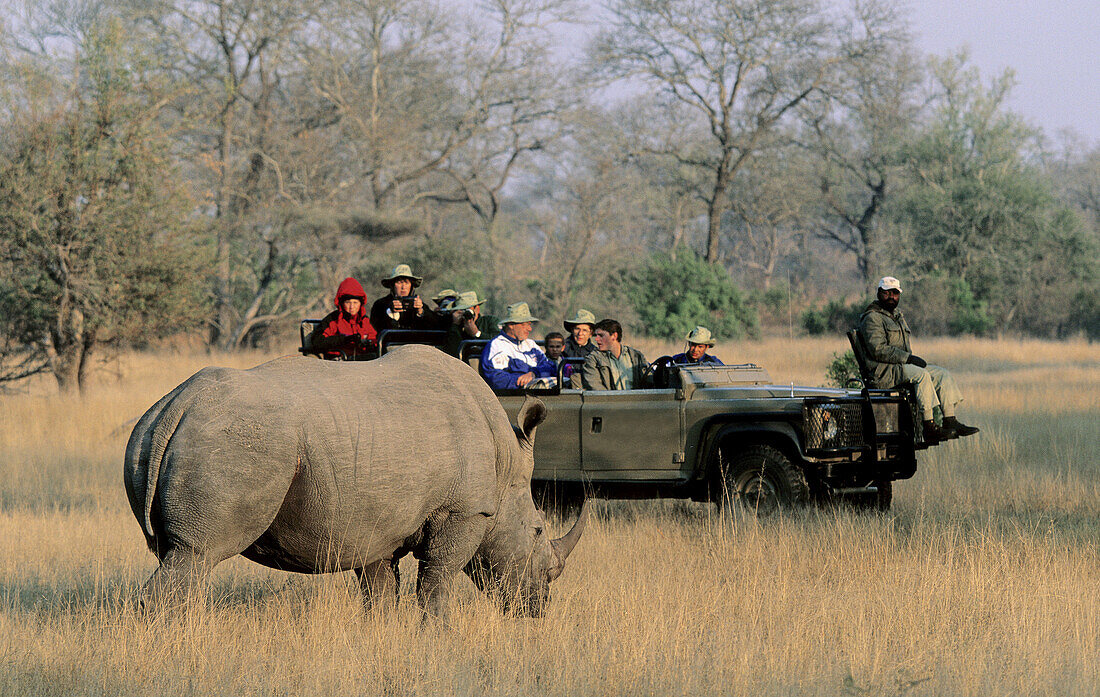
449, 543
380, 583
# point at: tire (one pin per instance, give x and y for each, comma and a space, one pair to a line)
762, 480
878, 501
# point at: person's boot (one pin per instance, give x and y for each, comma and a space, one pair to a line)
958, 427
933, 434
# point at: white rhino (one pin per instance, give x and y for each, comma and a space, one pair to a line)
315, 466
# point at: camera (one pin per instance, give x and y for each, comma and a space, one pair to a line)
467, 314
406, 302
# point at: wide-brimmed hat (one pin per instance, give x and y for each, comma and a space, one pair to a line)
466, 300
700, 335
444, 295
583, 317
889, 283
516, 313
402, 271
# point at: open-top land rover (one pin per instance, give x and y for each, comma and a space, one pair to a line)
726, 434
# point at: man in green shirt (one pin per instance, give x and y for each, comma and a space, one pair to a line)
885, 336
614, 366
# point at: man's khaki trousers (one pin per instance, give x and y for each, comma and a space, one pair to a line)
935, 386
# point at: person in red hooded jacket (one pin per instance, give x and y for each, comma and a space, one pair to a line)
347, 332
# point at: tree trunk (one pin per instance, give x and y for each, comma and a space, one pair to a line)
223, 302
716, 206
65, 352
223, 317
88, 343
865, 227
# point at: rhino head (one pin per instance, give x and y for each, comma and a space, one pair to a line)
517, 560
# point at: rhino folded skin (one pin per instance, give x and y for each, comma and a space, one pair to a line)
315, 466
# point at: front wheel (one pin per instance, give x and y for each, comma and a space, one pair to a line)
762, 480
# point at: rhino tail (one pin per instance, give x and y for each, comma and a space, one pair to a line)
161, 421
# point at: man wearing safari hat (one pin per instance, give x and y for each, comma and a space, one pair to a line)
401, 309
443, 300
698, 340
442, 313
885, 336
465, 321
512, 360
580, 343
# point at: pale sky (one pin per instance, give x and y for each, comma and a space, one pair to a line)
1053, 45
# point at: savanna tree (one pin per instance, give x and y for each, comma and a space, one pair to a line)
728, 72
92, 235
978, 217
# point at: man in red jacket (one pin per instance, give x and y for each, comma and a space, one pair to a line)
346, 333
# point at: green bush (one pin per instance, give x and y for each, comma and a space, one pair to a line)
940, 305
968, 315
842, 370
771, 304
835, 317
672, 296
1086, 317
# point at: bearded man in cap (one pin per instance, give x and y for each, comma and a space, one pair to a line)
698, 341
465, 321
885, 336
580, 343
401, 309
513, 360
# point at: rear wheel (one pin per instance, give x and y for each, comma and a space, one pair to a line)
762, 480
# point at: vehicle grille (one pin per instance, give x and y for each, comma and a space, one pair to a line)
833, 426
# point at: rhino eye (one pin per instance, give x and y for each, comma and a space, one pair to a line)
538, 530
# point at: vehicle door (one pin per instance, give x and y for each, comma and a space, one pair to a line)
557, 440
635, 431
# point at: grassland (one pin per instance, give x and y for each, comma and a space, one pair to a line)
983, 580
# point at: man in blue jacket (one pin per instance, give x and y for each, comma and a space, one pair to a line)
698, 340
513, 360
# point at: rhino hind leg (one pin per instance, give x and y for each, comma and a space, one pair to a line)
178, 581
379, 583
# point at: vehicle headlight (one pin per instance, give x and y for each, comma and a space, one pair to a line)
833, 425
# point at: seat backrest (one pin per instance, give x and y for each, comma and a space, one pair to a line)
392, 338
305, 328
861, 356
470, 351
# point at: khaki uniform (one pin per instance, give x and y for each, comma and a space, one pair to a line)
600, 370
885, 338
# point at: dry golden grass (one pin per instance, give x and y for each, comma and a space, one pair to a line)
982, 580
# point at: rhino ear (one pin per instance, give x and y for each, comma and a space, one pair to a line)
531, 414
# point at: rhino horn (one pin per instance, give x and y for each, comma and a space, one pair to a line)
563, 546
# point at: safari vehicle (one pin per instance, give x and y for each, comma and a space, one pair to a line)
721, 433
726, 434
